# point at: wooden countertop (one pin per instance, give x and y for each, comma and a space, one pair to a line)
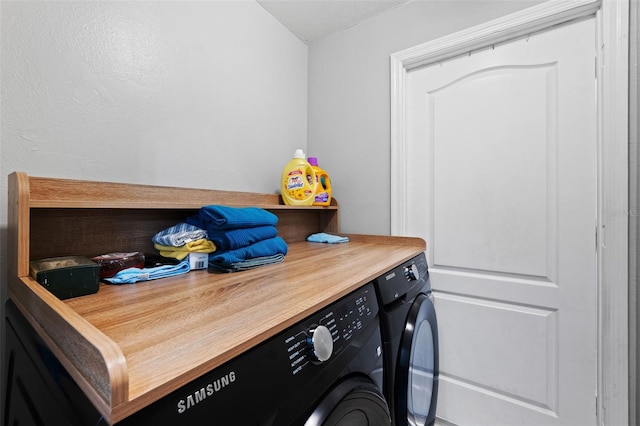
150, 338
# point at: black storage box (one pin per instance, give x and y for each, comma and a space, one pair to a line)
68, 276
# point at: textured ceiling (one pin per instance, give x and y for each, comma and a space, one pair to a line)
313, 19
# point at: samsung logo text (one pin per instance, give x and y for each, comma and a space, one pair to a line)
205, 392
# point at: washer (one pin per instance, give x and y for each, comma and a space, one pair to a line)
325, 370
410, 342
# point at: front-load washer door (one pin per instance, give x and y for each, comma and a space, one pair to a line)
355, 401
416, 378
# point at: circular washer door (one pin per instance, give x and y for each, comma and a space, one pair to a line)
355, 401
416, 386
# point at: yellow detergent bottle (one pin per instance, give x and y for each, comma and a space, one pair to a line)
323, 184
298, 181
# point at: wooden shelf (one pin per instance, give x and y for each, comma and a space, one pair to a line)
128, 346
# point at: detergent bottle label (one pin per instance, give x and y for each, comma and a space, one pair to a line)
297, 188
322, 197
295, 180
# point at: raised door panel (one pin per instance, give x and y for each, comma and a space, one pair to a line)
502, 178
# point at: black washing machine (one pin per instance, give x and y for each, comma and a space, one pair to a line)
325, 370
410, 342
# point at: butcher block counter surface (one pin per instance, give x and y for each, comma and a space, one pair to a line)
129, 345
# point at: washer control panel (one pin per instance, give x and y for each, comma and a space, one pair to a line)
408, 278
323, 336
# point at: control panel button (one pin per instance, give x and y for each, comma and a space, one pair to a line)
411, 272
320, 344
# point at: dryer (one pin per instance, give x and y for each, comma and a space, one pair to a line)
410, 342
325, 370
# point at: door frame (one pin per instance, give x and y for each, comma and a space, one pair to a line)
612, 70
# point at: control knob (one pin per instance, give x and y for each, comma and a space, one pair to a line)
320, 344
412, 272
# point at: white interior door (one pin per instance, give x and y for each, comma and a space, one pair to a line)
501, 176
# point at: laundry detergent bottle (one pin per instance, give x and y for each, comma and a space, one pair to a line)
323, 184
298, 181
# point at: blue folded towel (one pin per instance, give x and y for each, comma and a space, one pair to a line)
238, 238
247, 264
216, 217
327, 238
178, 235
265, 248
133, 275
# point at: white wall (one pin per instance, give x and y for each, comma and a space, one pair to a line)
178, 93
196, 94
349, 99
634, 208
